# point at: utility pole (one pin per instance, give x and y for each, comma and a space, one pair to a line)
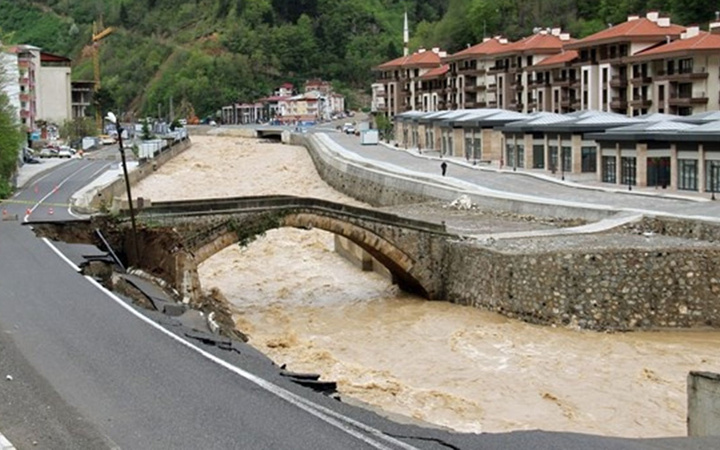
172, 111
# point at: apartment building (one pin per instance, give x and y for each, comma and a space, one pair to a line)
469, 76
609, 81
27, 62
555, 83
401, 81
512, 66
433, 89
54, 89
685, 72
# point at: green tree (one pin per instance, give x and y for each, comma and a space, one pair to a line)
11, 141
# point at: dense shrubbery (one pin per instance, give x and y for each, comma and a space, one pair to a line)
211, 52
11, 140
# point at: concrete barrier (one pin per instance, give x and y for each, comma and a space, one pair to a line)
703, 416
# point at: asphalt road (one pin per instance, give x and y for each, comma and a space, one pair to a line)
90, 371
507, 181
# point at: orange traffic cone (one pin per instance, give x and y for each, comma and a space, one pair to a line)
4, 212
28, 212
51, 211
36, 189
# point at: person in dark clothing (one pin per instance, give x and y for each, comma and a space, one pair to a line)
443, 167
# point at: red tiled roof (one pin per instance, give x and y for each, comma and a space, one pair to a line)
542, 42
559, 59
492, 45
704, 41
49, 57
638, 29
435, 73
417, 59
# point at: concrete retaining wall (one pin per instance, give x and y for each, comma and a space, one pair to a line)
703, 391
113, 195
360, 178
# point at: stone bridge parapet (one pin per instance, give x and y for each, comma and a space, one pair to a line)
411, 250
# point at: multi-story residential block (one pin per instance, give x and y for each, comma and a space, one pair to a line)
433, 88
28, 65
609, 81
686, 72
54, 91
401, 80
512, 69
470, 82
554, 83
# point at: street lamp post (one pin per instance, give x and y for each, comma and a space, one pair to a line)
562, 163
112, 118
713, 180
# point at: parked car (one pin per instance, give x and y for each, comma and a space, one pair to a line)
48, 152
106, 139
65, 152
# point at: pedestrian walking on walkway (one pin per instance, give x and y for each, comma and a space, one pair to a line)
443, 167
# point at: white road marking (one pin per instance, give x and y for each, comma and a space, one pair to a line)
343, 423
65, 180
327, 415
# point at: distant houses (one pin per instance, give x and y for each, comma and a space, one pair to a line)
316, 103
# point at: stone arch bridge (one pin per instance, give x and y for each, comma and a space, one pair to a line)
411, 250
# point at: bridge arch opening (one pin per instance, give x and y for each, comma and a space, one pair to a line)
397, 263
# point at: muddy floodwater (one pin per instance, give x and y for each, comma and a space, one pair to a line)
450, 365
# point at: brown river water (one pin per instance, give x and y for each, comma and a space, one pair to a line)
448, 365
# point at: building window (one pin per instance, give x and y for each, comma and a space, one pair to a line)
588, 156
510, 154
477, 147
658, 171
685, 65
553, 153
468, 145
538, 156
609, 169
520, 149
712, 176
566, 159
627, 170
688, 174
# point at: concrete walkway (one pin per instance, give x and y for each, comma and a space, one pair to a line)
535, 186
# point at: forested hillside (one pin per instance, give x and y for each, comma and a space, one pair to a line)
207, 53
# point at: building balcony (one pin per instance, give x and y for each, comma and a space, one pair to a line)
639, 102
641, 80
466, 70
492, 87
685, 75
686, 100
561, 82
566, 102
24, 114
617, 82
496, 69
619, 104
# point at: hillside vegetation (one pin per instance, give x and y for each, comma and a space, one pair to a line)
207, 53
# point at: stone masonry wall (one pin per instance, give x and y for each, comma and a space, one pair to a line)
618, 290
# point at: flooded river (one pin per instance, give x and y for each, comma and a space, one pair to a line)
449, 365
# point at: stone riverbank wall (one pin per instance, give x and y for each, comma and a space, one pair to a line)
657, 273
611, 289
